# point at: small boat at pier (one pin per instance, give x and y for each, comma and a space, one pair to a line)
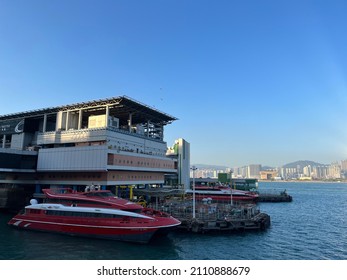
223, 193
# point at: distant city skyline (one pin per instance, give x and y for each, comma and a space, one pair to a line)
249, 81
266, 165
299, 170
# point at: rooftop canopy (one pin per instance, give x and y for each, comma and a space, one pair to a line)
121, 106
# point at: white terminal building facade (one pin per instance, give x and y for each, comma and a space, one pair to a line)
109, 142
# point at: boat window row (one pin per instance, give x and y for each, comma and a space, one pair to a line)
99, 194
34, 211
70, 202
84, 214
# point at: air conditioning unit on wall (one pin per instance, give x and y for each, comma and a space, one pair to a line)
113, 122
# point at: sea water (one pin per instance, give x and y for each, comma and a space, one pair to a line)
311, 227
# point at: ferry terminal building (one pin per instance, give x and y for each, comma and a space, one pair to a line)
110, 142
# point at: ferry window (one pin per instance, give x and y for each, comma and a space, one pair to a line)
135, 210
107, 215
51, 212
82, 214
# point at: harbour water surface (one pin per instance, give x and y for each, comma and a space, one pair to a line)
311, 227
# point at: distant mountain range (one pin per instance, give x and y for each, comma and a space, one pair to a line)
301, 163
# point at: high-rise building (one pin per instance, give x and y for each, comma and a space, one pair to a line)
334, 171
307, 171
320, 172
253, 171
344, 165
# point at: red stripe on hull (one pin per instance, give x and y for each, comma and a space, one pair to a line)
141, 235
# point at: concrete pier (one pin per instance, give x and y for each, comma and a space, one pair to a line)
217, 217
258, 222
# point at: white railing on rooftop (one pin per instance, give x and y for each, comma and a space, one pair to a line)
84, 135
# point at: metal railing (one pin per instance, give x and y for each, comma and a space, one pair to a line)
183, 210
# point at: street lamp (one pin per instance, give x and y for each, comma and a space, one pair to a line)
231, 189
193, 168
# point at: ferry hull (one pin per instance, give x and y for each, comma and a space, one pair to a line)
119, 233
111, 218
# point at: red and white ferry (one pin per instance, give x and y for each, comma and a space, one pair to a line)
98, 214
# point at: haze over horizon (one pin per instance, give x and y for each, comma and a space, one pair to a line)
249, 81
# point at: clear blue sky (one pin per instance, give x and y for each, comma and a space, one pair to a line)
250, 81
